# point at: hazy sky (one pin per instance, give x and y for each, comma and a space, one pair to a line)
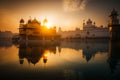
68, 14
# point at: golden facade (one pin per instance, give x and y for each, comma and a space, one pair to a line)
34, 30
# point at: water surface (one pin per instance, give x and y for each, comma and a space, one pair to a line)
65, 60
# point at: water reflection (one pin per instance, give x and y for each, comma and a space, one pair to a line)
64, 60
114, 56
33, 53
89, 47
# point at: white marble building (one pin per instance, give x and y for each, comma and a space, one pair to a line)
90, 30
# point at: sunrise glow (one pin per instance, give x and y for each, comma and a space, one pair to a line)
60, 39
58, 12
49, 25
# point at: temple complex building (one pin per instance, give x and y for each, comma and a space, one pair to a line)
33, 30
90, 30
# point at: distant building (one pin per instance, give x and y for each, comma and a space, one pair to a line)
114, 26
6, 34
90, 30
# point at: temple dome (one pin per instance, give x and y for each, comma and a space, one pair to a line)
22, 21
89, 21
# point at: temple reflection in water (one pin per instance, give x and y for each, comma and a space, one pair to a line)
89, 49
33, 53
67, 59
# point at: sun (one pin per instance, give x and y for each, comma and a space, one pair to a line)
48, 25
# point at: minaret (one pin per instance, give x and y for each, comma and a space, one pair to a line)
114, 26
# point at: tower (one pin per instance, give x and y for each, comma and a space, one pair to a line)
114, 26
113, 18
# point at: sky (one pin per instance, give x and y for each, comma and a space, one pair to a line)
67, 14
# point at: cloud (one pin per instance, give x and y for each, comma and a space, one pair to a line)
74, 5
